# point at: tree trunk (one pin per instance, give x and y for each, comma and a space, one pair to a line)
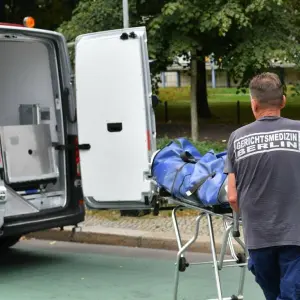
194, 111
201, 87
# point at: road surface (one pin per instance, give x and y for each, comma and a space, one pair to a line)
43, 270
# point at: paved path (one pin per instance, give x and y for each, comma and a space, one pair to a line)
143, 232
37, 270
154, 224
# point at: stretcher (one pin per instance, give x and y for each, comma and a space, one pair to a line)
190, 180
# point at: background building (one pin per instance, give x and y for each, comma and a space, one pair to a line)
178, 75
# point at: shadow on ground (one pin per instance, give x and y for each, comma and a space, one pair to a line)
19, 259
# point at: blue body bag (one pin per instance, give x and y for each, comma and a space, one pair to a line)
183, 172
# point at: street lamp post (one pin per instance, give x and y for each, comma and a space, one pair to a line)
125, 14
213, 74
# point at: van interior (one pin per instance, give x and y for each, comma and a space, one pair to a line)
31, 122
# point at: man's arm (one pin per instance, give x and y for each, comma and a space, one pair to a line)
232, 192
229, 170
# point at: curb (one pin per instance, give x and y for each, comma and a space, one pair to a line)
202, 245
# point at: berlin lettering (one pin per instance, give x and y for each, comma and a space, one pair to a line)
286, 140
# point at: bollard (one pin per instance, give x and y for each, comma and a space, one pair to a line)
238, 112
166, 112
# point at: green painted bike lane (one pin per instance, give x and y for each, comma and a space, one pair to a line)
44, 270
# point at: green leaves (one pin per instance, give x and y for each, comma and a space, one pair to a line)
248, 35
170, 8
92, 16
48, 14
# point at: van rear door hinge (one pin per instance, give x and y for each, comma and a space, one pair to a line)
71, 147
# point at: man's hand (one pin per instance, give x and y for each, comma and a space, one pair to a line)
232, 192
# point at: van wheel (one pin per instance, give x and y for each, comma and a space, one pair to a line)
8, 242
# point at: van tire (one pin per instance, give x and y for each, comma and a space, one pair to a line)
8, 242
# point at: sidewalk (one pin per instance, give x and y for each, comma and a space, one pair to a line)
143, 232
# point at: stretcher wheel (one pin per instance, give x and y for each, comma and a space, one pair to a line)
155, 212
241, 258
234, 297
156, 207
236, 234
183, 264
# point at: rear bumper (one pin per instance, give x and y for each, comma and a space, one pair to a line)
38, 223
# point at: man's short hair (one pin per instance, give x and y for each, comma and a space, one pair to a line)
267, 89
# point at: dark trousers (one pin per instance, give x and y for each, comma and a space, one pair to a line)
277, 271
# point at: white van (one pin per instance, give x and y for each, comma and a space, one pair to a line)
44, 131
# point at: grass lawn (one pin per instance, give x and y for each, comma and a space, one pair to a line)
202, 146
223, 105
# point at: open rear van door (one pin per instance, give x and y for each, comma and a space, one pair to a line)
116, 124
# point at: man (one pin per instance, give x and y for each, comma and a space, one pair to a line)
263, 167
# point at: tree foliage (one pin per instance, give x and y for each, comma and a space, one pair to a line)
98, 15
245, 36
49, 14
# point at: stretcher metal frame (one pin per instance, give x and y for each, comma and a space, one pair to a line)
231, 222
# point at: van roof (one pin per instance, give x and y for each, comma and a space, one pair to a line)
11, 24
24, 29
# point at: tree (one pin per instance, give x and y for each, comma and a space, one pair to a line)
49, 14
2, 10
246, 35
100, 15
